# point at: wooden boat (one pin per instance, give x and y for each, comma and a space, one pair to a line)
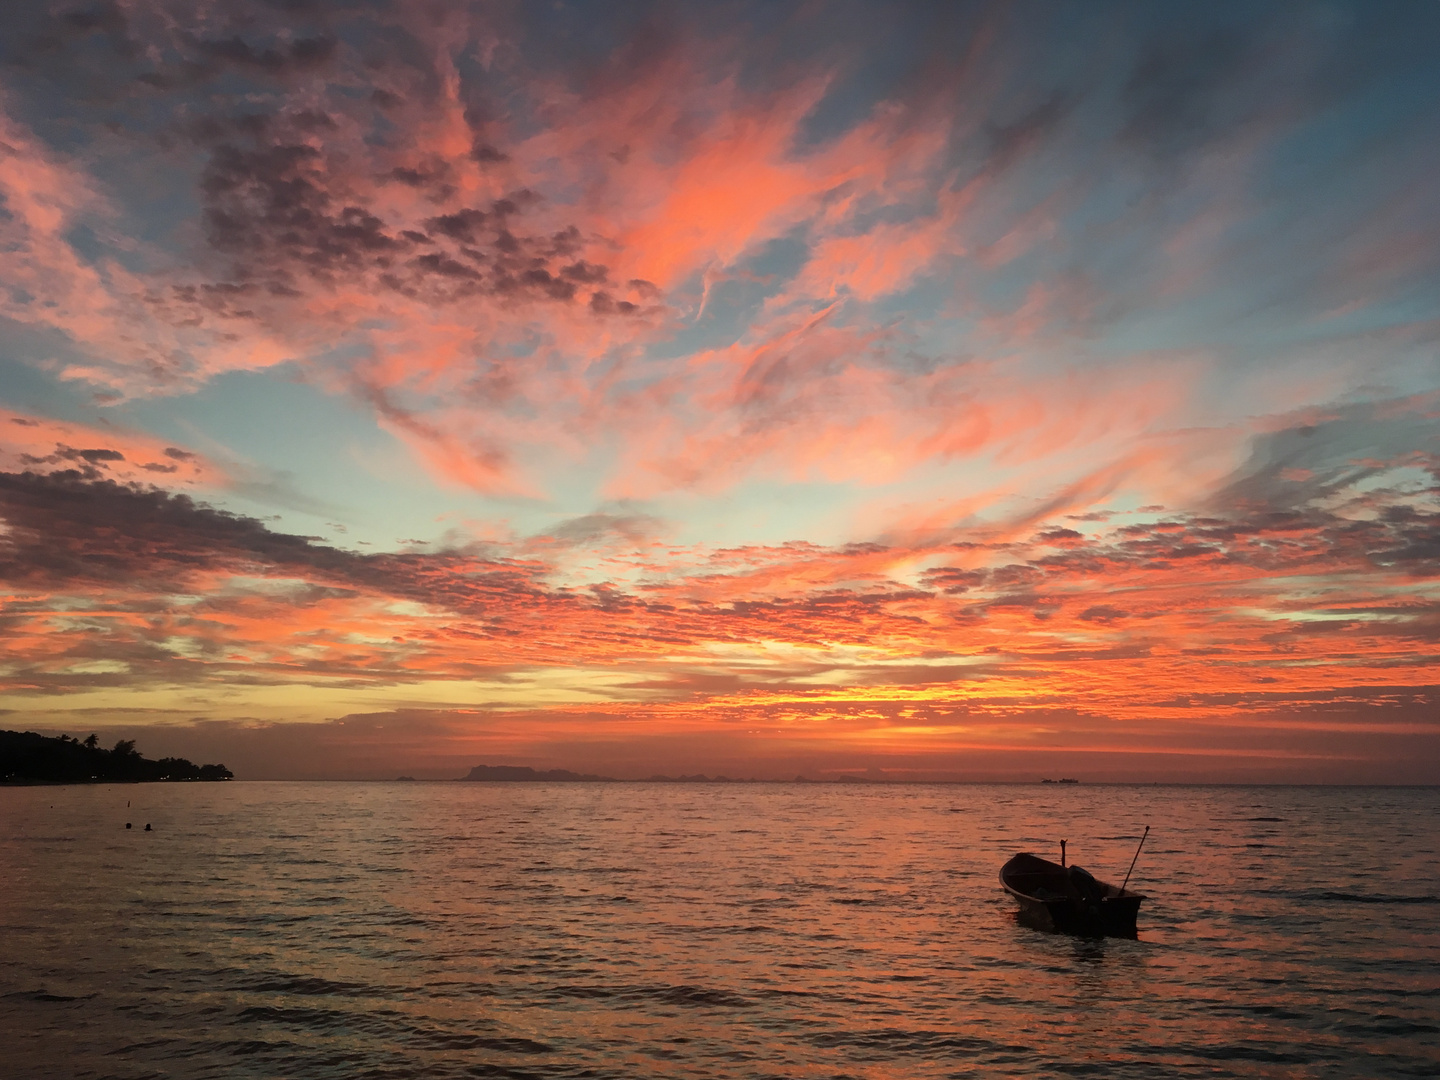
1068, 899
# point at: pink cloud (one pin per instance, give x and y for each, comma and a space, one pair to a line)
502, 260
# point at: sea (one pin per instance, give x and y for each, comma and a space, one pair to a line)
528, 930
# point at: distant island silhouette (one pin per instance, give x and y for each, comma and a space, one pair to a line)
29, 758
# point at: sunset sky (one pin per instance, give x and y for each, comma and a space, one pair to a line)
979, 391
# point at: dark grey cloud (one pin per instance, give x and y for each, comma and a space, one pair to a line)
273, 206
69, 527
631, 528
953, 580
284, 202
275, 57
1177, 94
1320, 459
1009, 141
70, 530
36, 34
88, 463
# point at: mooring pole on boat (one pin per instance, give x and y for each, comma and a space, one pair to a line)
1132, 861
1062, 852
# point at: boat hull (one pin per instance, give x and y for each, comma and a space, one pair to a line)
1061, 907
1110, 918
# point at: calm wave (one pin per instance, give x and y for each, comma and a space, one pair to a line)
592, 930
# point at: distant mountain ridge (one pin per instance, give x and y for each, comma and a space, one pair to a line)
27, 757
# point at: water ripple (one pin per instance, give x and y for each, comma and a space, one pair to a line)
604, 931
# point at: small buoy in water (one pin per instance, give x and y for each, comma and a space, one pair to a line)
147, 826
127, 804
127, 824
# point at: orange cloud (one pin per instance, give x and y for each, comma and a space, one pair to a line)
1188, 622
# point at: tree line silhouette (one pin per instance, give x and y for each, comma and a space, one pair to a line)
26, 757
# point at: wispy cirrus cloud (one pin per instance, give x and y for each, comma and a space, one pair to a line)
771, 366
497, 246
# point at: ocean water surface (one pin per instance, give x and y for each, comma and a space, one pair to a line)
725, 930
